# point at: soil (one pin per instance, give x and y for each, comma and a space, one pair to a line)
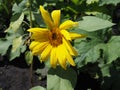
15, 75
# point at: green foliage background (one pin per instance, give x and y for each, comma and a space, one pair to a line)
99, 52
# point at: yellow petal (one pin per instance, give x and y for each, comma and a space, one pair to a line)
70, 59
75, 35
39, 34
37, 47
33, 45
46, 17
46, 53
61, 55
69, 47
37, 29
53, 57
56, 17
66, 34
67, 24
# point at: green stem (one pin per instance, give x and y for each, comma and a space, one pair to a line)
31, 24
31, 74
29, 2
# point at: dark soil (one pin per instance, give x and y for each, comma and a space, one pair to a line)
16, 77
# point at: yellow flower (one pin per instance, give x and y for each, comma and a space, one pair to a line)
54, 41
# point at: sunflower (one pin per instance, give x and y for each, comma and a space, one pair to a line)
54, 41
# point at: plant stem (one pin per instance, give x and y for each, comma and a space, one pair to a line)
29, 2
31, 74
31, 65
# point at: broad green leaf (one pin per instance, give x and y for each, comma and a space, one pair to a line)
105, 69
28, 57
115, 2
4, 45
59, 79
17, 47
103, 16
92, 23
23, 48
16, 24
18, 8
89, 51
113, 49
38, 88
93, 54
16, 43
15, 54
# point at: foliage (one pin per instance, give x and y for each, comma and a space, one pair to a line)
100, 48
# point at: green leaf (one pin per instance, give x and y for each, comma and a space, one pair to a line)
23, 48
91, 23
14, 25
16, 43
113, 49
15, 54
61, 79
105, 69
89, 51
4, 45
18, 8
38, 88
28, 57
103, 16
115, 2
16, 47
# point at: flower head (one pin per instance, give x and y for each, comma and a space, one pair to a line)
54, 41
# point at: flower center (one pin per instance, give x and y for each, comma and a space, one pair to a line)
55, 38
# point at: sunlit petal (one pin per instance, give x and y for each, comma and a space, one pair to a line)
61, 56
37, 47
46, 17
53, 57
33, 45
56, 17
39, 34
69, 47
66, 34
46, 53
70, 59
75, 35
67, 24
37, 29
